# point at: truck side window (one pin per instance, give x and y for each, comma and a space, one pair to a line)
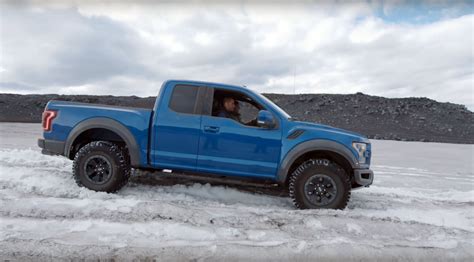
244, 111
183, 99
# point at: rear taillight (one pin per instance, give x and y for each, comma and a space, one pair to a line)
48, 117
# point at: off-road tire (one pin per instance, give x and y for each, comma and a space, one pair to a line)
299, 178
112, 154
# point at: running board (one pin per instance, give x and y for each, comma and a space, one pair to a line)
206, 178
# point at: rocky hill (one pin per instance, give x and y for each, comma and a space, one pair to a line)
411, 119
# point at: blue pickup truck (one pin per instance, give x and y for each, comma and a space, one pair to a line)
209, 129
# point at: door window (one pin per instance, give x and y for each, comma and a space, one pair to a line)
236, 106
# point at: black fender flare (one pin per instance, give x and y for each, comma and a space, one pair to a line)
313, 145
109, 124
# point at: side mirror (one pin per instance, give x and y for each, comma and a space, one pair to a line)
265, 119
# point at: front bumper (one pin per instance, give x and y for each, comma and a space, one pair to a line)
51, 147
363, 177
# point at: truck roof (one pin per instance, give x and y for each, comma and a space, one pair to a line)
214, 84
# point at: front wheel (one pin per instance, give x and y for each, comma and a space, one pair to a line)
319, 183
101, 166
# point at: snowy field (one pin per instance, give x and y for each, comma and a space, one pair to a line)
419, 208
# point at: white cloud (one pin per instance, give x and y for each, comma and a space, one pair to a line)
129, 49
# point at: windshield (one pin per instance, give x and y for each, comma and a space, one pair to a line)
274, 106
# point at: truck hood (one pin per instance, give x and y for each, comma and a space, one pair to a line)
325, 128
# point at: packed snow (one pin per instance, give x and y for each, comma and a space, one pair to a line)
420, 207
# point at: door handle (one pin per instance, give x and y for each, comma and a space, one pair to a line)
211, 129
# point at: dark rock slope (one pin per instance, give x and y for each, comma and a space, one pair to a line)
413, 119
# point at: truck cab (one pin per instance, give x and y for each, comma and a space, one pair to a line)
211, 129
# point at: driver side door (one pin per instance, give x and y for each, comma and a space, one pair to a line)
228, 147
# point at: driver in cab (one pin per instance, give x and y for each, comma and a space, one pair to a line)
230, 109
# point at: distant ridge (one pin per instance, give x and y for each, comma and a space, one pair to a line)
411, 119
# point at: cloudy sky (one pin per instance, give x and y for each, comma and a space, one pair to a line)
385, 48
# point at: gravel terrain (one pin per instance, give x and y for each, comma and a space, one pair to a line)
407, 119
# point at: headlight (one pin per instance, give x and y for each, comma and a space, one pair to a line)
360, 148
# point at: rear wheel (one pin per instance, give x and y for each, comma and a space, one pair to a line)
101, 166
319, 183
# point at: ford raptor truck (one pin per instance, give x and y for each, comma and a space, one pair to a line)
187, 133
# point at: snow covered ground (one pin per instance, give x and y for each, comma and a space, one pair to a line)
419, 208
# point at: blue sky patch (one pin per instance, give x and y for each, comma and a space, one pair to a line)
422, 12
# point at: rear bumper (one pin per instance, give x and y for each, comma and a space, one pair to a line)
363, 177
51, 147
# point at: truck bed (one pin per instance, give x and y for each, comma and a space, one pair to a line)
71, 114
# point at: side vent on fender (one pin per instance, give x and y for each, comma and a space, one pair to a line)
295, 134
